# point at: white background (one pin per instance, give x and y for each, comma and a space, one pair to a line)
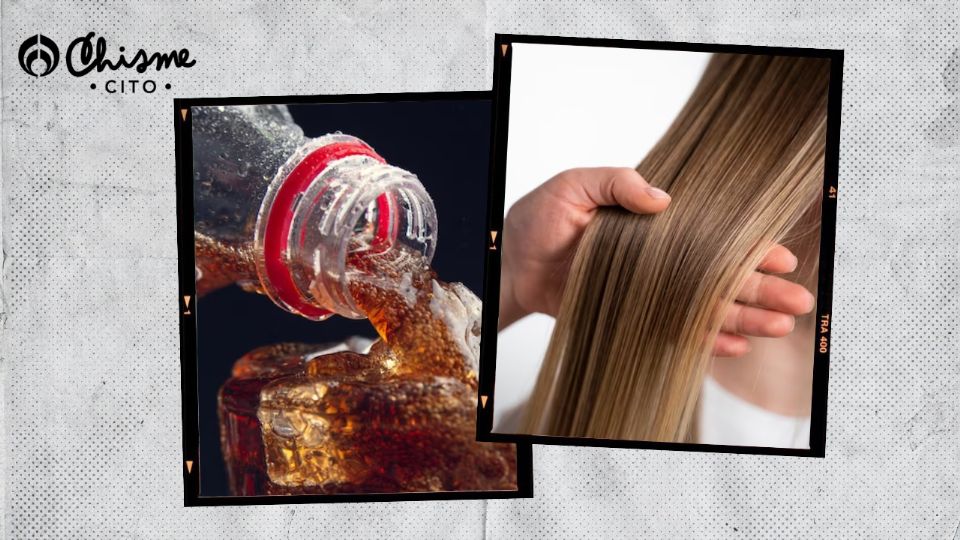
575, 106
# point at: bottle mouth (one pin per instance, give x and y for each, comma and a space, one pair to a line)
336, 200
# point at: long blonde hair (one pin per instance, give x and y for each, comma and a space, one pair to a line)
646, 295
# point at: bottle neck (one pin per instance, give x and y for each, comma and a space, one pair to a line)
334, 202
237, 151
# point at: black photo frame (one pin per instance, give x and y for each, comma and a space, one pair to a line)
188, 310
502, 63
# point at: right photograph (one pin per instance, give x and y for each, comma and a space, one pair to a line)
664, 245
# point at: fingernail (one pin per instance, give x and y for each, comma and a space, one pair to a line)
657, 193
796, 262
811, 301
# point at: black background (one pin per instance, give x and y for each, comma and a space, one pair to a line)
446, 144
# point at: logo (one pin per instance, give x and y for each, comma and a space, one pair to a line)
90, 55
39, 48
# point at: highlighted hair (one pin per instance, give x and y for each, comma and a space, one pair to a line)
646, 294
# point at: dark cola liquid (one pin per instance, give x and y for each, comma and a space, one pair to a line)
401, 418
219, 264
240, 438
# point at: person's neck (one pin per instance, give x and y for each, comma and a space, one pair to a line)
777, 374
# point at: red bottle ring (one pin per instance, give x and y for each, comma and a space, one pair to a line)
279, 219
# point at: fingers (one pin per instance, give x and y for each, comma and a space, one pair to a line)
754, 321
765, 306
590, 188
776, 293
730, 345
779, 260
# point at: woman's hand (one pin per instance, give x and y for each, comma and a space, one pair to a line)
536, 258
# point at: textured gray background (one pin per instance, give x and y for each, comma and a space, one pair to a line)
90, 350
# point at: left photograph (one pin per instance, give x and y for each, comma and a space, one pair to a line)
329, 339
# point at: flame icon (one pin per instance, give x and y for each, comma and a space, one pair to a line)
39, 47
